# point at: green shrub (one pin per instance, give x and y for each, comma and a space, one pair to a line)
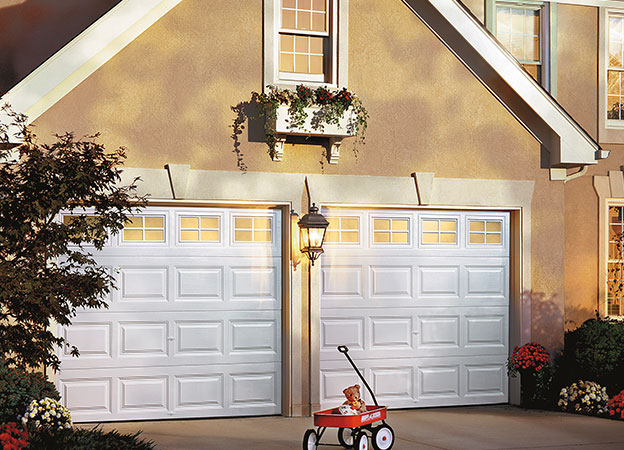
595, 351
88, 439
18, 388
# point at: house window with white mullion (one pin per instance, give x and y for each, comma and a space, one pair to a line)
615, 261
615, 68
520, 30
304, 40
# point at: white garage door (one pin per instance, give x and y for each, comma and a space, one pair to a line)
421, 299
194, 328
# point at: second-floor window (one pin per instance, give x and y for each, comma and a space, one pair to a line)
523, 28
615, 67
519, 29
304, 40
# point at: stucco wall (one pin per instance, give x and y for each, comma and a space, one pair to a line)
169, 95
577, 63
578, 93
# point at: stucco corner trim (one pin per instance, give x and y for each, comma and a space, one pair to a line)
86, 53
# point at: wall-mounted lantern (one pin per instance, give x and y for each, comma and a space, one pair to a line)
313, 226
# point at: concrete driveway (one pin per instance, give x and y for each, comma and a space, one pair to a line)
479, 427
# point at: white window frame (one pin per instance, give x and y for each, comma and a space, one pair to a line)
548, 26
604, 301
222, 228
609, 130
439, 218
409, 231
253, 215
338, 23
143, 243
486, 219
360, 229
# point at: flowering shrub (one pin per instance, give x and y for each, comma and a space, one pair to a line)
586, 397
528, 358
47, 413
616, 406
11, 438
18, 388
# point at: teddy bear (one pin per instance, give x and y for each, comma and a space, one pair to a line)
353, 398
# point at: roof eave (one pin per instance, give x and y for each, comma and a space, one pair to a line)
86, 53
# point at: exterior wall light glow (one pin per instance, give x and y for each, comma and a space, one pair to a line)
295, 256
313, 226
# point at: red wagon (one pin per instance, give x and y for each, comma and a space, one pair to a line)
352, 430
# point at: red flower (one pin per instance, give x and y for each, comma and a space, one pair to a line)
529, 356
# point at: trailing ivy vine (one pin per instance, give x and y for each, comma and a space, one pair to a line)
332, 106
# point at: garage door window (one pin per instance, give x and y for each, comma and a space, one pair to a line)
199, 229
144, 228
485, 232
69, 219
343, 230
439, 231
390, 231
253, 229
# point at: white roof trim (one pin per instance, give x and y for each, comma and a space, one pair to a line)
86, 53
568, 143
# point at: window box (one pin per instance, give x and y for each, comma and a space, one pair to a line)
314, 124
311, 112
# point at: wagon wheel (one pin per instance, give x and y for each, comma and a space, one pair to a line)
345, 437
383, 437
310, 440
361, 441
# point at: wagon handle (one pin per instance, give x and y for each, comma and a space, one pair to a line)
345, 350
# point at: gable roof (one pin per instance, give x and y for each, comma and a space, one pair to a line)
86, 53
568, 143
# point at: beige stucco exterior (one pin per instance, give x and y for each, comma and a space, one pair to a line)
168, 97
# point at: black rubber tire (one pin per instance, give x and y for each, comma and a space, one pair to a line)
361, 441
348, 433
383, 437
310, 440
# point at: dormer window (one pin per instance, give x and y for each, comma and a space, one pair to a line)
306, 42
